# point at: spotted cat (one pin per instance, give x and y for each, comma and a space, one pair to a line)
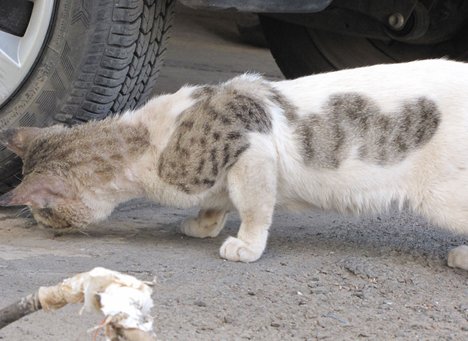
352, 141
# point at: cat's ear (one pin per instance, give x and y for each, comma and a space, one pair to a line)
36, 192
18, 139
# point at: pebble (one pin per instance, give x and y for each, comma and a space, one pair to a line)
336, 317
200, 303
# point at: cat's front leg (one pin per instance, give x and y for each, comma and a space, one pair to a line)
208, 223
252, 189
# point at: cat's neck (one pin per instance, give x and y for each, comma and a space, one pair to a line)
159, 115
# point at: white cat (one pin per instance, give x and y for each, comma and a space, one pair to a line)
352, 141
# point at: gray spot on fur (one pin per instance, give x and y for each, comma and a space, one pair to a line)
352, 120
290, 110
214, 133
203, 91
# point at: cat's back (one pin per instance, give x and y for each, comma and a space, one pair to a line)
387, 84
413, 105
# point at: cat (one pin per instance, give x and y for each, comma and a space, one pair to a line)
352, 141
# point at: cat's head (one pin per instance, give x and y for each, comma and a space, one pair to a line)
71, 176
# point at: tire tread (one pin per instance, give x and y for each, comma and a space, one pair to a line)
121, 72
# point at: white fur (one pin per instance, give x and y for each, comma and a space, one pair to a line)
432, 180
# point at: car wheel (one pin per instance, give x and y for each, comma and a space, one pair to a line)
71, 61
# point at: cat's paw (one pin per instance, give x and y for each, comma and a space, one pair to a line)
195, 227
458, 257
237, 250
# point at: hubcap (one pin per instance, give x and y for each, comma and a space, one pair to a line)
18, 54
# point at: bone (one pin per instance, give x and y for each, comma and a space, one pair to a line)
124, 301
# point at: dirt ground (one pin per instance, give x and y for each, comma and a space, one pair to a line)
323, 276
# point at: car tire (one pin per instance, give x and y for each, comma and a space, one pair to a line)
100, 57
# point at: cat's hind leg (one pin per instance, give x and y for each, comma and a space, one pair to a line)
252, 189
446, 204
208, 223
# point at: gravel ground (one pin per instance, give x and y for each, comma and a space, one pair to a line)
323, 276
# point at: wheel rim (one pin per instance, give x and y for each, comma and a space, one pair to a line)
18, 54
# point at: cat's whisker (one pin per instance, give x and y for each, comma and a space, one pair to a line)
84, 233
24, 212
